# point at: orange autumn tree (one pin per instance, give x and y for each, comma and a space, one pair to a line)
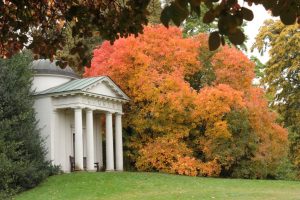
170, 126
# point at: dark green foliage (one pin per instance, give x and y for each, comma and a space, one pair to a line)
22, 163
206, 75
234, 154
241, 148
214, 41
286, 170
77, 51
294, 138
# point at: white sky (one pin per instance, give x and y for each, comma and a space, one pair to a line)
252, 28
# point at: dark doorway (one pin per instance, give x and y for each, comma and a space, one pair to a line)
74, 145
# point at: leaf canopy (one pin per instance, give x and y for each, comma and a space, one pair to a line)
39, 25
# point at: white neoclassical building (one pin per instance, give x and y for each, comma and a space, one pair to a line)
75, 117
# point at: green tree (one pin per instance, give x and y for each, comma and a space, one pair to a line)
22, 162
155, 8
282, 75
259, 67
194, 24
205, 75
77, 51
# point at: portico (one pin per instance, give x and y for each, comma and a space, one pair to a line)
85, 112
90, 152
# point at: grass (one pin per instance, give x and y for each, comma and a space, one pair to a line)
156, 186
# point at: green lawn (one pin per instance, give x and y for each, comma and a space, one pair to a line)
154, 186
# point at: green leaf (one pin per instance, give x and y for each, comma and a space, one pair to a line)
276, 10
238, 19
214, 40
288, 17
209, 17
231, 2
223, 40
237, 38
177, 13
165, 16
247, 14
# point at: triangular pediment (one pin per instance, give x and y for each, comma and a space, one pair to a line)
106, 87
101, 86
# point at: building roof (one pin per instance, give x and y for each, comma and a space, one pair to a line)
83, 85
45, 66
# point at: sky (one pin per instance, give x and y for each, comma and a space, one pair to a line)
252, 28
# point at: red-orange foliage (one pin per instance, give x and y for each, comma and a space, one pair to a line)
151, 73
153, 52
233, 68
171, 127
163, 154
171, 155
271, 135
212, 105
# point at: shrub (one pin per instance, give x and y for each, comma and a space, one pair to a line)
22, 156
163, 154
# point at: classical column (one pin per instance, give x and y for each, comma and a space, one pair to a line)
90, 140
100, 150
109, 143
78, 140
119, 142
52, 135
